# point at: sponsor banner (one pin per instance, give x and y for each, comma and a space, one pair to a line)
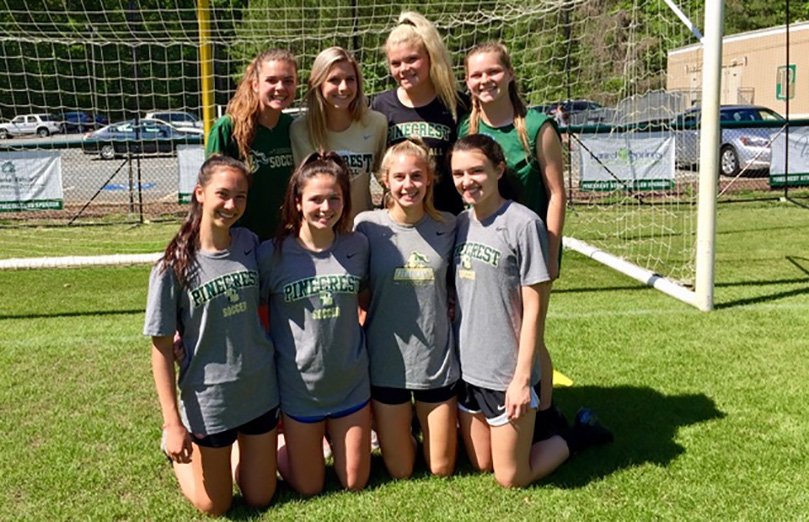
189, 159
31, 180
798, 150
627, 161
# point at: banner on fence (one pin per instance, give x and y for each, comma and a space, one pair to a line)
627, 161
798, 150
189, 159
31, 180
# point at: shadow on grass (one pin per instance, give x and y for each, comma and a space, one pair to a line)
644, 421
801, 263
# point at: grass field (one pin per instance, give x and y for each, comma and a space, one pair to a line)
708, 409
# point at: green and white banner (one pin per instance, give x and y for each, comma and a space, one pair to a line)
627, 161
189, 158
30, 180
798, 150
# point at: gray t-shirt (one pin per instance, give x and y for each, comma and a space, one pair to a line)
410, 340
320, 347
493, 260
228, 375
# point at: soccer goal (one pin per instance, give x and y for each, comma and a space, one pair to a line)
603, 62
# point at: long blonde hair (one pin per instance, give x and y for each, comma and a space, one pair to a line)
416, 30
412, 146
316, 105
244, 107
517, 102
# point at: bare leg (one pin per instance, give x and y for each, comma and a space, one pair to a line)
476, 437
300, 456
257, 479
517, 462
395, 440
440, 434
351, 440
206, 481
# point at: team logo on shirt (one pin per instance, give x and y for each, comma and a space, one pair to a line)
227, 285
466, 252
416, 270
358, 164
280, 158
319, 285
422, 129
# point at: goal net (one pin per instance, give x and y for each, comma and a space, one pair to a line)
603, 61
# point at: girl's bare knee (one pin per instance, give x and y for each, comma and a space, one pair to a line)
258, 500
211, 507
356, 481
443, 467
510, 480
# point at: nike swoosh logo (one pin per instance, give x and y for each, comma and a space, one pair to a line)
368, 137
441, 233
349, 256
247, 252
501, 408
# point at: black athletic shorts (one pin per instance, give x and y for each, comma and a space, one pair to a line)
395, 396
491, 403
258, 426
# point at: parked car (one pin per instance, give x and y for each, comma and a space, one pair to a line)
143, 137
184, 121
741, 147
78, 121
575, 112
42, 125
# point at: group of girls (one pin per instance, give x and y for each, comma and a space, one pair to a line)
360, 301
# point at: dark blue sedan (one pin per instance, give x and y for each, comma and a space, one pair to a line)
135, 137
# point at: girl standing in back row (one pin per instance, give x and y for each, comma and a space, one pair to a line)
426, 104
256, 131
410, 342
338, 119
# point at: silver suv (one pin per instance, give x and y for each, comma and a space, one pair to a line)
180, 120
42, 125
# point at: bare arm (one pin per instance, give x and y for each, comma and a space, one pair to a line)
535, 303
551, 164
364, 299
178, 442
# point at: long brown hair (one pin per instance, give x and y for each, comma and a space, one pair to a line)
315, 164
517, 102
181, 251
316, 105
415, 147
243, 108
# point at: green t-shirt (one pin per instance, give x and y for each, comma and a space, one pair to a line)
525, 167
272, 166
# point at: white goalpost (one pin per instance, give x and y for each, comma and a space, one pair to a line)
701, 296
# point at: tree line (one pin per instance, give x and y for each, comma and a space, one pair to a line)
119, 58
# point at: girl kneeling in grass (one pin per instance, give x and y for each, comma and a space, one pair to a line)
502, 281
410, 341
206, 287
311, 273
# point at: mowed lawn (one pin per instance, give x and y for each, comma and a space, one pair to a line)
709, 410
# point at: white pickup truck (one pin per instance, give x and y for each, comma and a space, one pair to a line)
42, 125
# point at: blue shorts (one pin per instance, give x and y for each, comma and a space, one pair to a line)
320, 418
